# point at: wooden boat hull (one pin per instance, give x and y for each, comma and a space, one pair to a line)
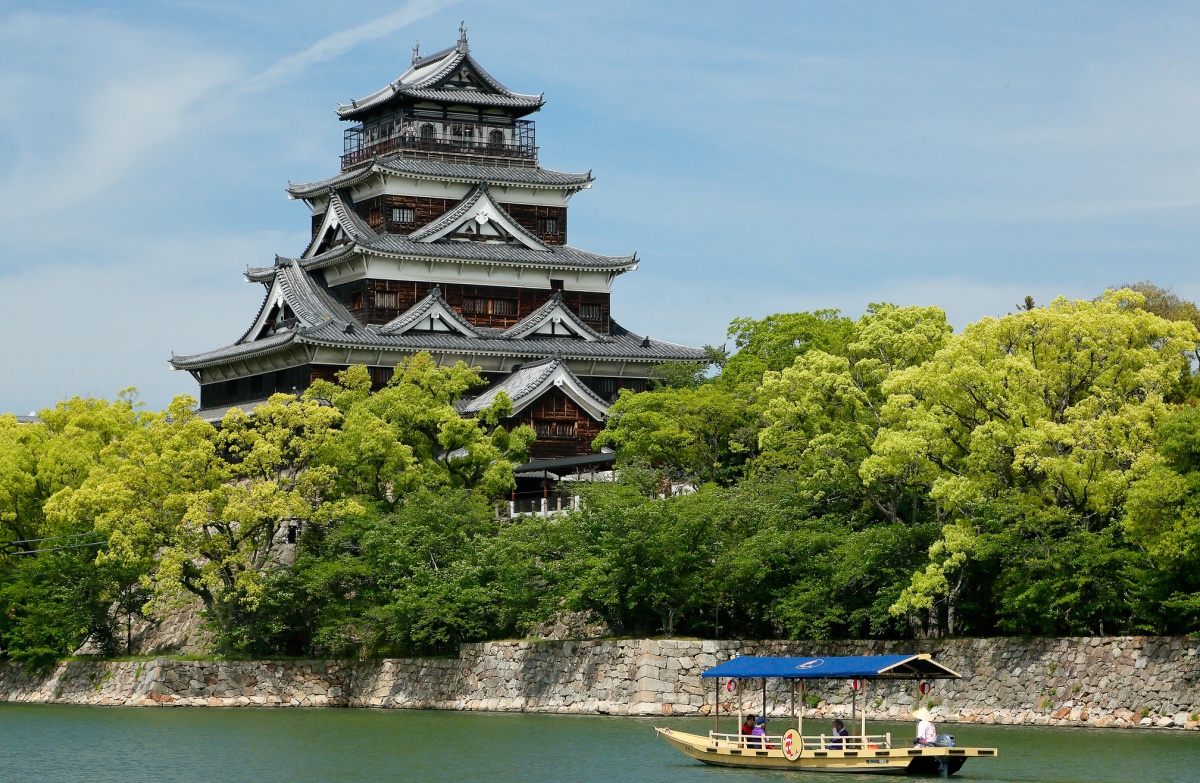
894, 761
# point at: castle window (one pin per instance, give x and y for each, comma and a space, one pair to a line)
404, 215
590, 312
385, 299
427, 131
548, 225
496, 138
478, 305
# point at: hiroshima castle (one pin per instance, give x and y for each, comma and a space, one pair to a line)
442, 233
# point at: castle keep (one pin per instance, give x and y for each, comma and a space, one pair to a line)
442, 233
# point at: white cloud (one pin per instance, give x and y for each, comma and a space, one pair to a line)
112, 102
343, 41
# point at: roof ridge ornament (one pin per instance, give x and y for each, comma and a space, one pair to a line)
416, 52
463, 46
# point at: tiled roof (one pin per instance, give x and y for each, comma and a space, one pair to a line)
528, 380
215, 414
623, 345
530, 323
440, 170
422, 80
464, 207
311, 303
508, 254
530, 252
399, 324
261, 274
450, 217
355, 227
265, 345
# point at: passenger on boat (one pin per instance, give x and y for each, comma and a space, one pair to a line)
747, 729
839, 731
926, 731
760, 731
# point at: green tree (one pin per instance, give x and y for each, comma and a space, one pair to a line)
1162, 515
199, 508
408, 435
39, 459
699, 434
774, 342
823, 414
420, 578
1058, 403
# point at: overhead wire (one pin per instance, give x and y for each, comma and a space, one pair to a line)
51, 538
56, 548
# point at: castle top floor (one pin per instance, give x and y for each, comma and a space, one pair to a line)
446, 107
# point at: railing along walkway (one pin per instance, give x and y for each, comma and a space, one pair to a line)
809, 742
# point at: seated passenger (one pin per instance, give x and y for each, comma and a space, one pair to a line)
839, 731
759, 732
747, 729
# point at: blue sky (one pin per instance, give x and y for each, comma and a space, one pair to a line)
760, 157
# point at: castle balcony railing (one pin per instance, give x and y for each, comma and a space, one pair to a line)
500, 141
552, 503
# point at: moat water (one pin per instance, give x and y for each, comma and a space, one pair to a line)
51, 743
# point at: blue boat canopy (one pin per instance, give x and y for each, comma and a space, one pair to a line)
865, 667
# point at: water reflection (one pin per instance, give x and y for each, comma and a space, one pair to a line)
194, 745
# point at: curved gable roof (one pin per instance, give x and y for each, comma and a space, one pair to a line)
554, 313
434, 308
478, 204
533, 380
427, 79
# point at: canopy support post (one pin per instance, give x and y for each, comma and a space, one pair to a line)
864, 712
739, 701
717, 707
803, 706
764, 714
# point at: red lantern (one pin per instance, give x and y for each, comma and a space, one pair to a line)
729, 686
856, 684
925, 688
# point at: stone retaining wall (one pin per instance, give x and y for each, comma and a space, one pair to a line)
1127, 681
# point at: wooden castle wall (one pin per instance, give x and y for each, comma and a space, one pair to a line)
378, 212
563, 428
376, 301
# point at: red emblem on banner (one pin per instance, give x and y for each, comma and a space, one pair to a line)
856, 684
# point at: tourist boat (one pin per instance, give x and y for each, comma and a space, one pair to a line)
860, 753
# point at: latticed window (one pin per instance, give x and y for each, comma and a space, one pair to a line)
404, 215
480, 305
548, 225
554, 429
385, 299
590, 312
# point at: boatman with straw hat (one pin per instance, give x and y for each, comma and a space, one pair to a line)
926, 731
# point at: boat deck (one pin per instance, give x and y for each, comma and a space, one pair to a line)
871, 754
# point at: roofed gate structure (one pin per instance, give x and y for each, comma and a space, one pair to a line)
442, 233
